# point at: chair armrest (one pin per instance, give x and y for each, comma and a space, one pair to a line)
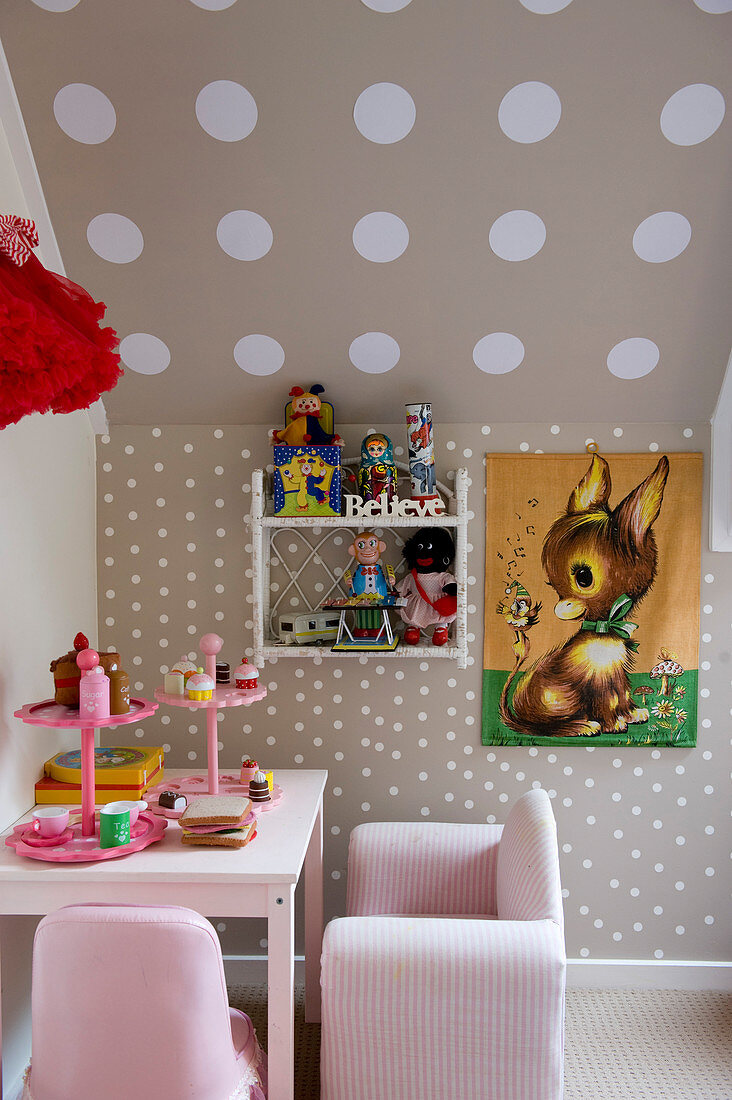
483, 1000
528, 886
422, 867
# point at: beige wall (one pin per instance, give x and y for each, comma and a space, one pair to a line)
401, 738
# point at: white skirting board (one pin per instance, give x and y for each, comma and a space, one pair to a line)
581, 973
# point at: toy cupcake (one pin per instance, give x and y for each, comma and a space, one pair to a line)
200, 686
249, 769
259, 788
246, 675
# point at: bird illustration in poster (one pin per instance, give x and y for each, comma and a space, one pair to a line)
619, 578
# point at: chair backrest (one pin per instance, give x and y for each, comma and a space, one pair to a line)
130, 1001
527, 874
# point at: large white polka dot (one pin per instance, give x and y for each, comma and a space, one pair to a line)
529, 112
384, 113
260, 355
226, 110
144, 354
498, 353
84, 113
692, 114
244, 235
115, 238
714, 7
662, 237
56, 5
386, 5
380, 237
633, 358
545, 7
374, 352
213, 5
517, 235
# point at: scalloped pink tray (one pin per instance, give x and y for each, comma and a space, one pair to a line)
224, 696
80, 849
49, 713
198, 784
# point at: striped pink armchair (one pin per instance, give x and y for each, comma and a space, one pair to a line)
446, 979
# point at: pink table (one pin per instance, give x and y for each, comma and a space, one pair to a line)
256, 881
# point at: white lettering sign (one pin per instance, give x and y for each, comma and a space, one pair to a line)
370, 509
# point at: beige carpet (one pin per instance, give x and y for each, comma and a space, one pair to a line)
620, 1044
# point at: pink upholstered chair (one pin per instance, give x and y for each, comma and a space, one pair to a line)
129, 1003
446, 979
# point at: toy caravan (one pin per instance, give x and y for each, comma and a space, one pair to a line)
303, 627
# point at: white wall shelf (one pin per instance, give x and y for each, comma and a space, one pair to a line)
306, 557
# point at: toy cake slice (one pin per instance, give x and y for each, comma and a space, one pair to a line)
226, 810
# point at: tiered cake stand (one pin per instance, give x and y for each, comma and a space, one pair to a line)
223, 696
80, 842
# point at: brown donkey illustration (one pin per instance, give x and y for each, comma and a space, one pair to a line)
601, 563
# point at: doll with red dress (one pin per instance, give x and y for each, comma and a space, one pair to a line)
429, 587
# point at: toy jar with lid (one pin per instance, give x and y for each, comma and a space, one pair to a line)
246, 675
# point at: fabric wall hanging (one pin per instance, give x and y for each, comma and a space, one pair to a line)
592, 599
53, 354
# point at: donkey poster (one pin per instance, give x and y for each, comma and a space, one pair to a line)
592, 599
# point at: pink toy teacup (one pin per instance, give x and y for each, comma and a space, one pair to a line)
134, 807
50, 821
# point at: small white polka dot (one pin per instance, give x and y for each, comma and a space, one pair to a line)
692, 114
56, 5
215, 5
633, 358
384, 113
617, 432
226, 110
84, 113
529, 112
380, 237
545, 7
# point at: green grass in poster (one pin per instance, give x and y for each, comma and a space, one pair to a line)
672, 718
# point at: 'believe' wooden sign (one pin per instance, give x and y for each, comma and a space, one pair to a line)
372, 509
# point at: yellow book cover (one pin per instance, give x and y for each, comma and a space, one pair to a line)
121, 765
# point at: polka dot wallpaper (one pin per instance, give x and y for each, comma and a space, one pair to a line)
340, 189
644, 832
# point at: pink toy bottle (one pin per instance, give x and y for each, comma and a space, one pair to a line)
94, 695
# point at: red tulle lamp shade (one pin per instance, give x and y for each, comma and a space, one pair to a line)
54, 355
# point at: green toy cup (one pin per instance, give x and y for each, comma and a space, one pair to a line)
114, 827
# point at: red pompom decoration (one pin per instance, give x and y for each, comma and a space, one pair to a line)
53, 354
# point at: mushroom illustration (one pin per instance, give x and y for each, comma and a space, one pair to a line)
643, 690
667, 670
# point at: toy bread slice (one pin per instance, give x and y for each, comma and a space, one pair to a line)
216, 809
231, 838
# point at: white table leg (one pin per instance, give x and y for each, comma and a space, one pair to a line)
280, 992
314, 919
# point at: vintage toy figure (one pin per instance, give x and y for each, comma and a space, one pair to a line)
307, 457
429, 587
377, 473
308, 419
368, 576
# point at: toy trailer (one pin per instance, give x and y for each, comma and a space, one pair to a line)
302, 628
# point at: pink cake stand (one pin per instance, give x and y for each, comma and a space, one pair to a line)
196, 784
223, 696
50, 714
74, 846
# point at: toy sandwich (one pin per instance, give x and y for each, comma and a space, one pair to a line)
218, 821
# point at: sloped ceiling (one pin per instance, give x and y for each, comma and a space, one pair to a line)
525, 219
